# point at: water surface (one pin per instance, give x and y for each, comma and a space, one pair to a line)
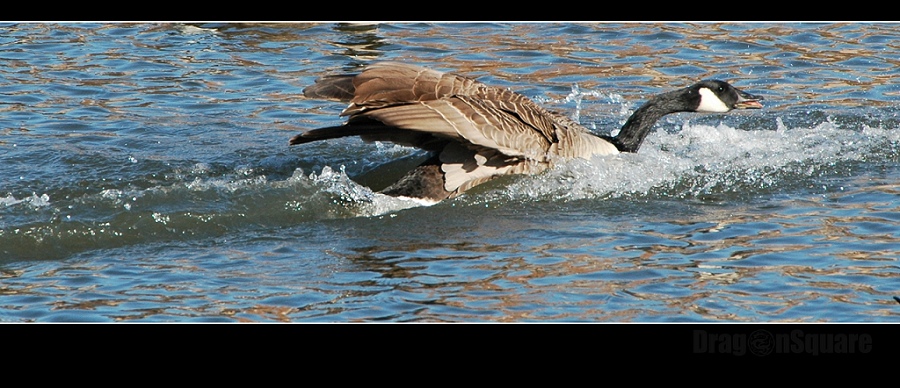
145, 176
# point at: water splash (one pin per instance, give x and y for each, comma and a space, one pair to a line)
361, 199
34, 201
711, 161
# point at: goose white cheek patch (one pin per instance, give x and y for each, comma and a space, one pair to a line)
710, 102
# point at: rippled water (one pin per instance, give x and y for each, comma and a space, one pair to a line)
145, 176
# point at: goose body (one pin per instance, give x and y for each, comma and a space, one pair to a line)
475, 132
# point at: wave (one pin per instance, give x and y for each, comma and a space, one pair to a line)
41, 228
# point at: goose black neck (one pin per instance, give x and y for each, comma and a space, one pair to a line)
639, 124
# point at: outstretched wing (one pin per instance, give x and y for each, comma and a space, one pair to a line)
392, 101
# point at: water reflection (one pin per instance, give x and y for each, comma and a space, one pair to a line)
361, 44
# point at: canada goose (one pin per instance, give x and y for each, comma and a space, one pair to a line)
475, 132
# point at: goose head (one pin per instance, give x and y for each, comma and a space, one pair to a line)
716, 96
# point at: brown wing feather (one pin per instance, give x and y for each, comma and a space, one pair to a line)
389, 83
468, 121
415, 98
332, 87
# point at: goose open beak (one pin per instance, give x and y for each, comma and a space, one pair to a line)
747, 101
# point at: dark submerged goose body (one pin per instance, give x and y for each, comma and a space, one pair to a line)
475, 132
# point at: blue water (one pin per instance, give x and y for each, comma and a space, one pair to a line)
145, 176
